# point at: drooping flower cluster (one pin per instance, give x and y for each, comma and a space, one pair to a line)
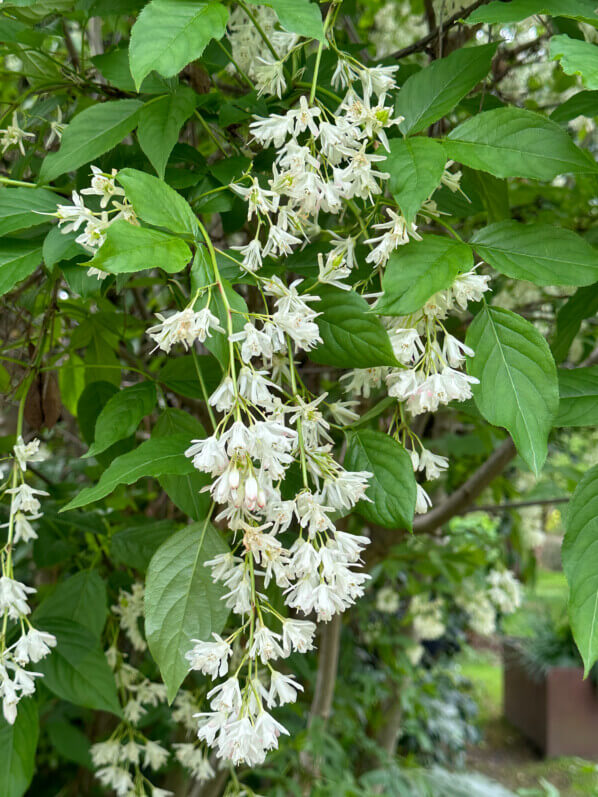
265, 419
95, 223
121, 759
263, 63
501, 593
31, 644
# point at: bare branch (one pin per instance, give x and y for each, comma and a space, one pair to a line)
563, 499
465, 495
423, 43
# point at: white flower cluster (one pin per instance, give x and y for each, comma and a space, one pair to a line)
267, 419
119, 760
267, 68
427, 617
95, 223
501, 593
31, 645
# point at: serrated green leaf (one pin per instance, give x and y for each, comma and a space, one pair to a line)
18, 259
352, 335
157, 203
129, 248
392, 489
134, 546
541, 253
580, 564
154, 457
518, 383
512, 142
182, 602
415, 166
584, 103
81, 598
576, 58
298, 16
23, 208
418, 270
168, 34
121, 415
18, 744
91, 133
70, 742
578, 390
114, 66
516, 10
583, 304
179, 375
76, 670
431, 93
160, 123
185, 491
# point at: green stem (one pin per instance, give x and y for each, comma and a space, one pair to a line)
299, 425
210, 133
203, 388
245, 77
227, 307
314, 81
259, 28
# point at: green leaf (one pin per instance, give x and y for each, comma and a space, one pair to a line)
577, 58
217, 343
179, 375
581, 566
185, 491
584, 103
129, 248
18, 259
392, 489
297, 16
157, 203
154, 457
516, 10
160, 123
134, 546
81, 598
71, 381
583, 304
418, 270
114, 66
415, 166
541, 253
352, 335
70, 742
60, 246
181, 600
91, 133
493, 192
22, 208
90, 404
168, 34
578, 389
77, 669
518, 383
431, 93
18, 744
121, 416
511, 142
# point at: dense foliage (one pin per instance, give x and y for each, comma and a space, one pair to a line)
286, 288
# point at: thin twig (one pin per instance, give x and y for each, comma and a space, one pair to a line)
422, 44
